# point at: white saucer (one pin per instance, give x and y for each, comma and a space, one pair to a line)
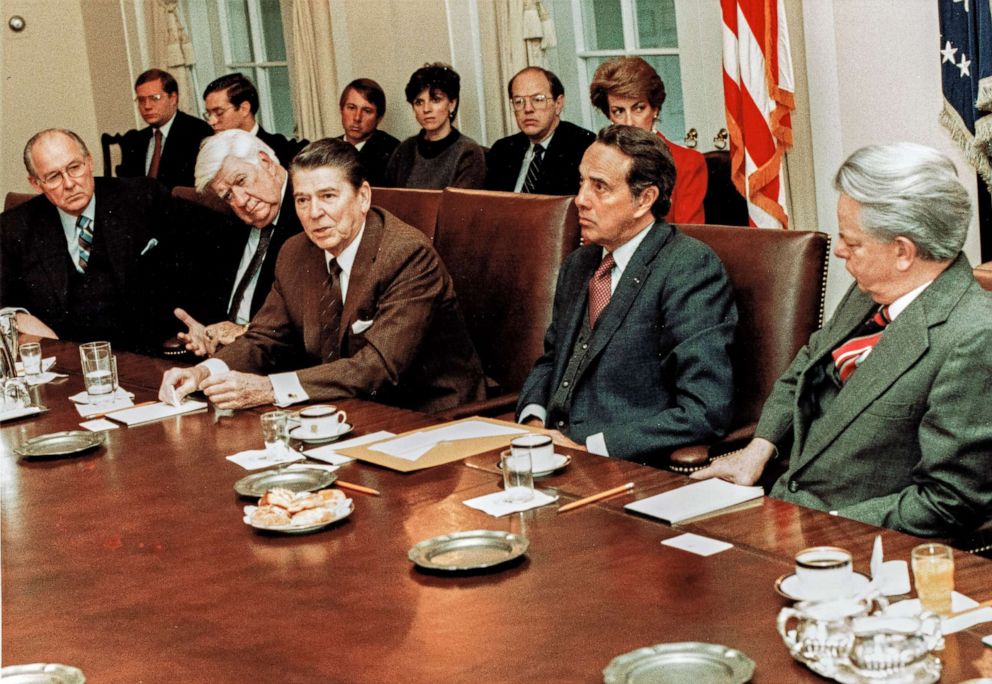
792, 588
543, 466
298, 433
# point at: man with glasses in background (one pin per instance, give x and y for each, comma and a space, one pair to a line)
167, 148
231, 101
92, 258
544, 156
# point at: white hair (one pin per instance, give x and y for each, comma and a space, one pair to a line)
230, 143
908, 190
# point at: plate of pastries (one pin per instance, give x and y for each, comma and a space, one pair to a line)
288, 512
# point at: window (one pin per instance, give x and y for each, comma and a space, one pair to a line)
642, 28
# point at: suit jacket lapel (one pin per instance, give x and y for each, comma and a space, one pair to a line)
50, 245
360, 280
574, 316
116, 242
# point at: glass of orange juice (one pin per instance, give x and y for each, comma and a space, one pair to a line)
933, 570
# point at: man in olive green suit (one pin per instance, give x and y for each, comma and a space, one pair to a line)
890, 422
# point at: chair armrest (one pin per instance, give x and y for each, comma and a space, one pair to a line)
492, 407
696, 456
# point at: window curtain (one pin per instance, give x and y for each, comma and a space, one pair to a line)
524, 31
312, 70
172, 51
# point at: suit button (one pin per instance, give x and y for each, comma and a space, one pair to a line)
560, 424
793, 486
565, 384
585, 346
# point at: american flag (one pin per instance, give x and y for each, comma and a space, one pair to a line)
758, 90
966, 74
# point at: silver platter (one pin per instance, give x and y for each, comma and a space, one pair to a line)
42, 673
925, 671
340, 514
59, 444
296, 480
474, 550
688, 661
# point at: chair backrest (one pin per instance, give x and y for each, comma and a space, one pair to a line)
207, 199
503, 251
779, 279
724, 206
107, 141
14, 198
416, 207
983, 274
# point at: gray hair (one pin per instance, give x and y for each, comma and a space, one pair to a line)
230, 143
908, 190
29, 147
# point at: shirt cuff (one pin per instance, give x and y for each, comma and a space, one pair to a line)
534, 411
286, 389
215, 366
596, 444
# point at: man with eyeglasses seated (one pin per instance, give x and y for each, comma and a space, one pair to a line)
231, 101
91, 258
544, 156
167, 148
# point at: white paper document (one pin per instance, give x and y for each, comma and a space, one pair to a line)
694, 543
695, 500
413, 446
329, 454
157, 411
496, 504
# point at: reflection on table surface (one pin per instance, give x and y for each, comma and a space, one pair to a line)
132, 563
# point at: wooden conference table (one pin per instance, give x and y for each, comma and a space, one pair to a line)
132, 563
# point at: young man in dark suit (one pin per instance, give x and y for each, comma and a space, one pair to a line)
637, 357
544, 156
363, 104
167, 148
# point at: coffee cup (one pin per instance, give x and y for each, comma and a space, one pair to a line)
540, 448
322, 420
824, 571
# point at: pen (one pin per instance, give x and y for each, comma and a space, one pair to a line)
597, 497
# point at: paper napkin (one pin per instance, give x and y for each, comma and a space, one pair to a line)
99, 425
496, 505
122, 399
694, 543
950, 625
260, 458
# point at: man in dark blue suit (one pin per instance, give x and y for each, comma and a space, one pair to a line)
538, 97
167, 148
637, 357
363, 104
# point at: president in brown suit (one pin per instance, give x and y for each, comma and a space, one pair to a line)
361, 306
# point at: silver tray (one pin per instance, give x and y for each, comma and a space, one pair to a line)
926, 671
59, 444
474, 550
340, 514
296, 480
688, 661
42, 673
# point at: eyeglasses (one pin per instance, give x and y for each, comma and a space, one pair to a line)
216, 113
74, 170
142, 99
536, 101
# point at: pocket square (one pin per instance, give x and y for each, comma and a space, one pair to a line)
358, 327
152, 244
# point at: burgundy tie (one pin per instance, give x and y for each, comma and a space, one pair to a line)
156, 155
850, 355
599, 289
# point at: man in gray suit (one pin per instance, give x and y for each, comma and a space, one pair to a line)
885, 414
636, 359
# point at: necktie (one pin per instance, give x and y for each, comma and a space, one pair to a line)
156, 155
330, 311
533, 171
599, 289
256, 263
84, 233
850, 355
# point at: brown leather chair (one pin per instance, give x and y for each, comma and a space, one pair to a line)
504, 251
416, 207
15, 198
779, 279
107, 141
983, 274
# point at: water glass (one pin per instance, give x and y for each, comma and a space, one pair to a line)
933, 571
518, 475
275, 434
99, 371
31, 359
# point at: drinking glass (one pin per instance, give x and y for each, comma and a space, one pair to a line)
31, 359
98, 366
275, 434
518, 474
933, 570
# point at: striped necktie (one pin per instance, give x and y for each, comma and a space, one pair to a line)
851, 354
600, 288
331, 306
84, 238
534, 170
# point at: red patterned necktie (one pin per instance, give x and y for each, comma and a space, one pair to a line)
156, 155
850, 355
600, 289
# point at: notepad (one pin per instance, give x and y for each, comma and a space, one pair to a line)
695, 501
147, 414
